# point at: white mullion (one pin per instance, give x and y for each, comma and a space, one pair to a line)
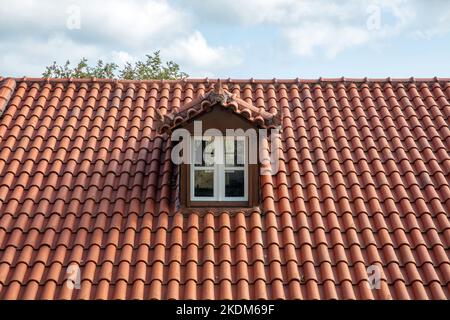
246, 157
246, 180
222, 174
220, 182
220, 169
192, 182
216, 182
216, 174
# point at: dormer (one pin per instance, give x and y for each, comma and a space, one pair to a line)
220, 167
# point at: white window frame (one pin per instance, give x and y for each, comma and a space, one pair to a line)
219, 172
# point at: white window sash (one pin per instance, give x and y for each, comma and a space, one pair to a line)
219, 176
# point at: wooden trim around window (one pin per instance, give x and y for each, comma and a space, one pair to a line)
221, 119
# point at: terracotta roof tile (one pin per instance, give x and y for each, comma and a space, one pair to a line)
86, 179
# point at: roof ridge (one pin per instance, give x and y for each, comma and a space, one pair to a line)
238, 80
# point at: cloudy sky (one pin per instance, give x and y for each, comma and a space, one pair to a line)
239, 39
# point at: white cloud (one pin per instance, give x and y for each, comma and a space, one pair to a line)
195, 51
277, 12
132, 23
324, 27
331, 40
432, 19
29, 56
122, 57
334, 30
33, 33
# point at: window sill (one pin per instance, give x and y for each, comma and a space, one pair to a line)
217, 211
215, 204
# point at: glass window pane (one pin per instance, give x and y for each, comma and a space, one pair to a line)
229, 144
234, 152
234, 183
204, 152
229, 160
198, 153
229, 151
240, 152
204, 183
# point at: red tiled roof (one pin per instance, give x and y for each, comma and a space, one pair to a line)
85, 178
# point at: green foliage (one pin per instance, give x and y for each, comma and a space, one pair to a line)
152, 68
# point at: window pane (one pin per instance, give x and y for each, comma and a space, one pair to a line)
234, 183
229, 159
240, 152
234, 152
203, 183
204, 152
229, 151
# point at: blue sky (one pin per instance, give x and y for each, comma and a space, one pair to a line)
238, 39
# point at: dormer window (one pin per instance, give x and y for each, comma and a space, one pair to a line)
219, 168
